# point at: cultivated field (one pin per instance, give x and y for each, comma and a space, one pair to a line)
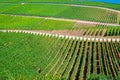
56, 40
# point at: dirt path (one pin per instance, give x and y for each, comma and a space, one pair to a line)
65, 19
85, 38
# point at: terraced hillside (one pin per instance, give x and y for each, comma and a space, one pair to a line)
56, 40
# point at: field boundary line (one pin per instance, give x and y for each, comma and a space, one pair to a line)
97, 39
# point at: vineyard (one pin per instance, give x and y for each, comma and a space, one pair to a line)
76, 60
55, 40
64, 11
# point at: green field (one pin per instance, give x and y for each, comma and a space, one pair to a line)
23, 60
81, 2
59, 40
64, 11
32, 56
31, 23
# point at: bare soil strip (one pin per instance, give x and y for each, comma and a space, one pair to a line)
98, 59
85, 70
